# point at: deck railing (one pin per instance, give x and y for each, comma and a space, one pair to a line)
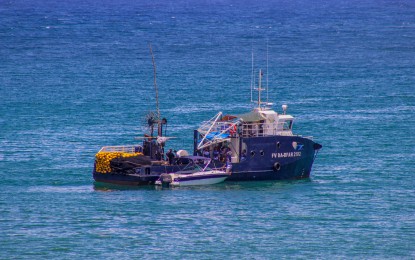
123, 149
256, 129
261, 129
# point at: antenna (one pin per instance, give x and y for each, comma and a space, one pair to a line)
259, 89
155, 82
159, 120
267, 70
252, 64
252, 71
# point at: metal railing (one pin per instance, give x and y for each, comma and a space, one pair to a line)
264, 129
256, 129
123, 149
252, 129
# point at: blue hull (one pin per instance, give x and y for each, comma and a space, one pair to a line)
275, 158
268, 158
299, 169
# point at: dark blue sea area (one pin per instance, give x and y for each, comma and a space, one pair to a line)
78, 75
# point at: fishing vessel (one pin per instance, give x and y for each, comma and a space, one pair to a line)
257, 145
196, 172
260, 144
138, 164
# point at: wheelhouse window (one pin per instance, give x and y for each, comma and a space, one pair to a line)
287, 125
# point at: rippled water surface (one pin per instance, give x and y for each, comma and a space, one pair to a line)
76, 76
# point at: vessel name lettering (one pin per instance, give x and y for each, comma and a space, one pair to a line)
285, 155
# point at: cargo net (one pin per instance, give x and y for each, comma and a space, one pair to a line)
120, 162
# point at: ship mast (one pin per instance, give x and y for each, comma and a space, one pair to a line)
159, 122
259, 89
265, 104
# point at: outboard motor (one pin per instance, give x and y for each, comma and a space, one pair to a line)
165, 179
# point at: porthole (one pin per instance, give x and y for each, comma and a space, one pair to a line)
277, 166
278, 145
252, 153
261, 153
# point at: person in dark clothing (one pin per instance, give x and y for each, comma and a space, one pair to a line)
229, 156
243, 155
170, 156
206, 153
216, 154
229, 162
158, 155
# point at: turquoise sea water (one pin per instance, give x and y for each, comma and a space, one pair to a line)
76, 76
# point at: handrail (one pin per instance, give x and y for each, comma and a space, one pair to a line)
250, 129
123, 148
264, 129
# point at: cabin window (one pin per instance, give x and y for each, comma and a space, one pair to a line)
287, 125
262, 153
252, 153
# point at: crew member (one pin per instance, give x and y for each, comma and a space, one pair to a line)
228, 162
170, 156
216, 154
243, 155
206, 153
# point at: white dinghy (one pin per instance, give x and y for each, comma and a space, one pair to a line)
196, 172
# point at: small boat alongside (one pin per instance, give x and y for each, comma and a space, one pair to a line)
196, 172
